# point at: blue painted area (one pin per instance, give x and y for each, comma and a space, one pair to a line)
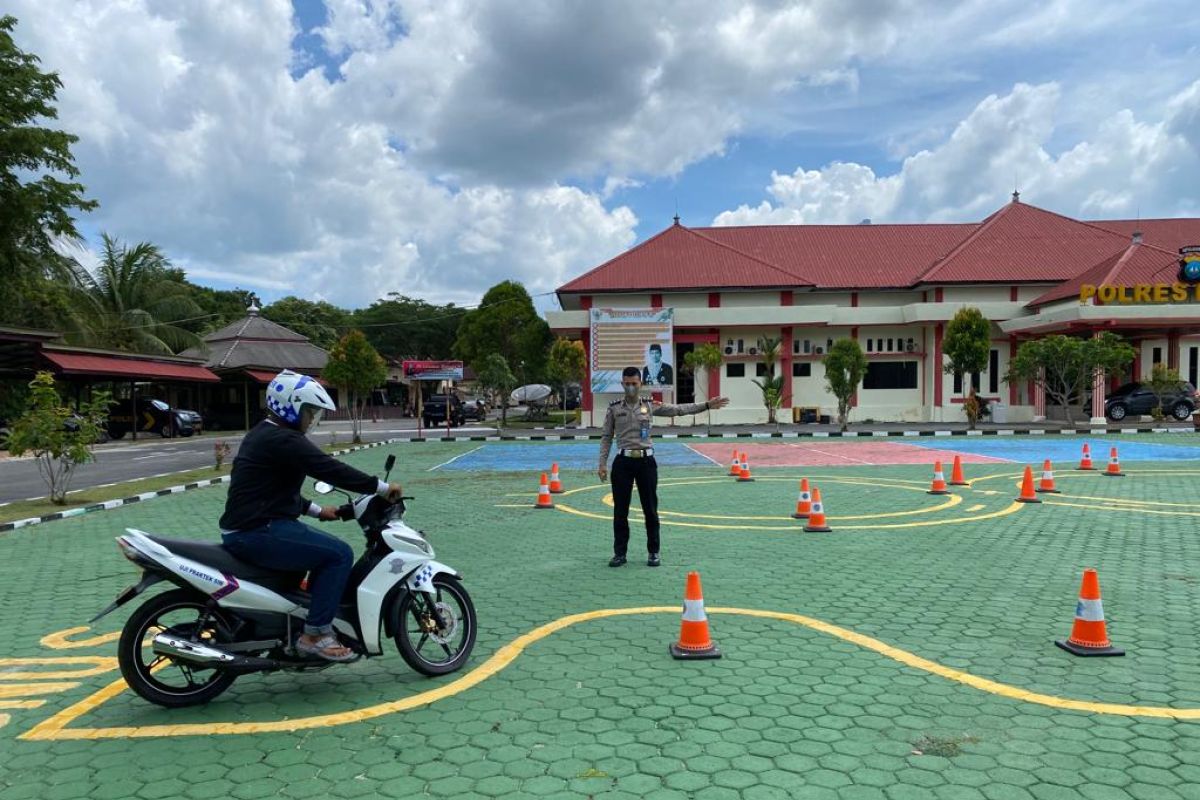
534, 457
1032, 450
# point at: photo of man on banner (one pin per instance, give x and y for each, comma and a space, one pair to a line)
658, 371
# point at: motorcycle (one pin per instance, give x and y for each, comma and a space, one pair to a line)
227, 618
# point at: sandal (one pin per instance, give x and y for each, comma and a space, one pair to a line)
322, 647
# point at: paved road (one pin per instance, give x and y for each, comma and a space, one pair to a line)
127, 460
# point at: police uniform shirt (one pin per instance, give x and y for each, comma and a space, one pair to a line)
628, 422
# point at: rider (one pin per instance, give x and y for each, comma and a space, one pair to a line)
261, 521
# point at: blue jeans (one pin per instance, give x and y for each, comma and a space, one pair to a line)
289, 544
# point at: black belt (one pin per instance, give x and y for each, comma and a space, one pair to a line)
637, 453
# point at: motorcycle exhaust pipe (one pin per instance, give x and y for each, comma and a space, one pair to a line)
204, 655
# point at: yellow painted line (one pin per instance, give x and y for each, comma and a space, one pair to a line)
1129, 509
4, 718
56, 727
1130, 501
59, 639
12, 704
99, 665
8, 690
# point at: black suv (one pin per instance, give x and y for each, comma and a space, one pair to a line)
1137, 399
153, 416
433, 412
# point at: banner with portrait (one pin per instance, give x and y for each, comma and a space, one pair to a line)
632, 337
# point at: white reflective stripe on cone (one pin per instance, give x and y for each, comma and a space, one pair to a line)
693, 611
807, 496
818, 508
1090, 611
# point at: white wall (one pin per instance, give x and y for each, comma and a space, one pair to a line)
820, 299
876, 299
621, 301
685, 300
748, 299
976, 294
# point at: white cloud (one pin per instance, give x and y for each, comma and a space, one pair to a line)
1126, 166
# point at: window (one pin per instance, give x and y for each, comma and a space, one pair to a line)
870, 345
975, 381
891, 345
879, 345
1193, 352
958, 383
1157, 359
804, 370
735, 370
760, 370
994, 372
891, 375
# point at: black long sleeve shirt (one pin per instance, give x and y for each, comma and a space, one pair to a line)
269, 471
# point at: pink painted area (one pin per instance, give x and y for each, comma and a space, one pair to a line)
832, 453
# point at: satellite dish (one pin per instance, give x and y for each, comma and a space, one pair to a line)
531, 393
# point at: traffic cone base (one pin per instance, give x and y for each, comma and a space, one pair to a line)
1081, 650
694, 640
956, 473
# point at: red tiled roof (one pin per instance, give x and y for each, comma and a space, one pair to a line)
1023, 243
847, 256
1137, 263
1019, 243
117, 367
266, 376
682, 258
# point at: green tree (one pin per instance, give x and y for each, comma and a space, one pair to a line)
218, 307
495, 376
771, 385
356, 368
707, 357
320, 321
36, 203
967, 346
58, 438
567, 364
133, 302
845, 366
1164, 382
1064, 365
405, 327
505, 323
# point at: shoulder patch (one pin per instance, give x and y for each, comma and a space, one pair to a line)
615, 403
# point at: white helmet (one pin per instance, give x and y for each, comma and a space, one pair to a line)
290, 391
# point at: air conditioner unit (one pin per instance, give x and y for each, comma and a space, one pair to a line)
911, 347
728, 351
753, 351
818, 350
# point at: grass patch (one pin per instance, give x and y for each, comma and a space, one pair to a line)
24, 509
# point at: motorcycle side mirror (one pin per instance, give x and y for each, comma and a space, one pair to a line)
322, 487
391, 462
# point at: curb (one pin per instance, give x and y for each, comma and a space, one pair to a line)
144, 496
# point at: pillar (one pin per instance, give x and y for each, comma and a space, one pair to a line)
1173, 350
1039, 399
1097, 393
937, 363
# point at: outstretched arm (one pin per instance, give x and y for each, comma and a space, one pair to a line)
667, 410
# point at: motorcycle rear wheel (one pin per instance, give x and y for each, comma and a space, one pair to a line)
426, 647
157, 678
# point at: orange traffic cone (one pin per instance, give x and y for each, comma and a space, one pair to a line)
1114, 465
1089, 635
1028, 495
816, 517
1046, 486
735, 469
939, 480
543, 500
555, 484
804, 503
956, 474
744, 476
694, 641
1085, 462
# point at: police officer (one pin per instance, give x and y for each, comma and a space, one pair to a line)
628, 420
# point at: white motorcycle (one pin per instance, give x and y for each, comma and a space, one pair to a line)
229, 618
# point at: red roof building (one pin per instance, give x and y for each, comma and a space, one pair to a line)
894, 287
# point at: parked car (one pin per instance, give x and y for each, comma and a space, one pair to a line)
195, 418
152, 416
1138, 398
433, 412
475, 409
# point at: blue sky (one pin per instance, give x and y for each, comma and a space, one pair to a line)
343, 149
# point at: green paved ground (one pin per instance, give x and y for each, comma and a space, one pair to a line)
599, 709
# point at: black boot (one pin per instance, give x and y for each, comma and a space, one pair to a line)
653, 561
617, 561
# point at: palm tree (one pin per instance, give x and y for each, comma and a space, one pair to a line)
131, 303
772, 384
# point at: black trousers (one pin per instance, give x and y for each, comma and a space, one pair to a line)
625, 473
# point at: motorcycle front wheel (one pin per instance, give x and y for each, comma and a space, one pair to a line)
435, 635
163, 681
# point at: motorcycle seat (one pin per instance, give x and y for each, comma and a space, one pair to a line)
214, 554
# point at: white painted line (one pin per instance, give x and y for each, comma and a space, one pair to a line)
834, 455
456, 458
702, 455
